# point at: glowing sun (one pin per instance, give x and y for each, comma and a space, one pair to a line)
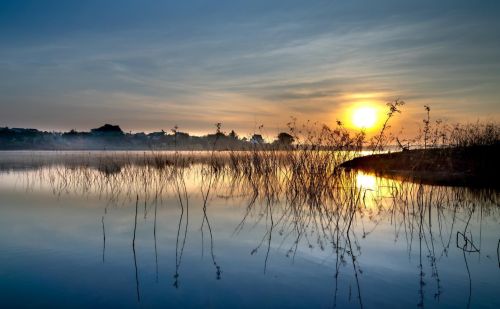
364, 117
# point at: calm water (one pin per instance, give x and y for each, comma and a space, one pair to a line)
137, 236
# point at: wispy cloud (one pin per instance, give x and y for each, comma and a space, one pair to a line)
195, 64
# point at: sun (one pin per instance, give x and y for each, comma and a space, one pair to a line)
364, 117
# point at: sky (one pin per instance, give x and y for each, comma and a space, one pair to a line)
149, 65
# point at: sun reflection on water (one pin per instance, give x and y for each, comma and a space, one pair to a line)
366, 181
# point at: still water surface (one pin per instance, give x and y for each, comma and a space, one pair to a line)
138, 236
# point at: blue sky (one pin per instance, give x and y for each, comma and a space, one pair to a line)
149, 65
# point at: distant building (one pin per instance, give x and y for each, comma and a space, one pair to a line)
24, 131
181, 135
157, 135
73, 133
256, 139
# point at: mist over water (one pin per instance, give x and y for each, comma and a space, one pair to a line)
226, 233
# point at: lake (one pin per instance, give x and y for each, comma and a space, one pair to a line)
141, 230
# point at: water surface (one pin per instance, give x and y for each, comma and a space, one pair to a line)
201, 235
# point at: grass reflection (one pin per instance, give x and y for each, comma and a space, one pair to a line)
296, 205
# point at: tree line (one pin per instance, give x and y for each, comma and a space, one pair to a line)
112, 137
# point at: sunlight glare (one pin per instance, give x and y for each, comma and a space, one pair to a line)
364, 117
366, 181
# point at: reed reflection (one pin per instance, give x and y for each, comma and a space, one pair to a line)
294, 206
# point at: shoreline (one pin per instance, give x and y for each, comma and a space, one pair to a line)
475, 166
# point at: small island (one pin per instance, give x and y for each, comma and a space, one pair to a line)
473, 166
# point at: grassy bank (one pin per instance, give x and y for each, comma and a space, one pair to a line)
459, 166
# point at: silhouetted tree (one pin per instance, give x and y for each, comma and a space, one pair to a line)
218, 132
285, 138
233, 135
108, 129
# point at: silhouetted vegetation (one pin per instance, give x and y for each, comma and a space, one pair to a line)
447, 154
112, 137
460, 154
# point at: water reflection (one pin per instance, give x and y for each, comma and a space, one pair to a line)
184, 219
361, 234
366, 181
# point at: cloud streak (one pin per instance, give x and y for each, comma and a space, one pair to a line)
239, 64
